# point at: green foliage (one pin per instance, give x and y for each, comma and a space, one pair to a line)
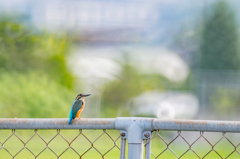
17, 47
54, 50
219, 48
130, 83
34, 79
33, 95
225, 99
23, 50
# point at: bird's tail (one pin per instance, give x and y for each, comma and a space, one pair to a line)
70, 120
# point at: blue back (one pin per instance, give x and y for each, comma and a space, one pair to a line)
77, 105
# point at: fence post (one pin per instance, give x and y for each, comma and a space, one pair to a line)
135, 130
135, 151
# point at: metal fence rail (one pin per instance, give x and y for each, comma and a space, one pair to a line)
136, 130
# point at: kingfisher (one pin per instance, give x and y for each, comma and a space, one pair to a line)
77, 107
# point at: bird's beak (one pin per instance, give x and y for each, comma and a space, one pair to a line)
85, 95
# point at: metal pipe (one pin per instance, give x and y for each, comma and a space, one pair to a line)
135, 151
109, 123
57, 123
148, 148
123, 148
196, 125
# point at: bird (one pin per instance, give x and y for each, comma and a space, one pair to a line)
77, 107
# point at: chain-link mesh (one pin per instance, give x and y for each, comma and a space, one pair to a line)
83, 144
191, 145
105, 143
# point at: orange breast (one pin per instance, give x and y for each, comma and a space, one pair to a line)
80, 111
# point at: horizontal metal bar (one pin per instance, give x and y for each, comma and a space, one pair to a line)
110, 123
197, 125
57, 123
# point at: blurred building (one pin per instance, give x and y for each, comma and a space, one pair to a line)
109, 21
97, 21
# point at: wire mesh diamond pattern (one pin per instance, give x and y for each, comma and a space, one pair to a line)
24, 144
218, 153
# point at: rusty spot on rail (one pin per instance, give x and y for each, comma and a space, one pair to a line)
190, 122
152, 122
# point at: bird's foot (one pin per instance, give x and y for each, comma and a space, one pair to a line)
79, 118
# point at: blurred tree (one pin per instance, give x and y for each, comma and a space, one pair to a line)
34, 79
186, 43
54, 49
23, 50
225, 100
17, 47
219, 48
131, 83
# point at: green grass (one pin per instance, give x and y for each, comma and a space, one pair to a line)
104, 143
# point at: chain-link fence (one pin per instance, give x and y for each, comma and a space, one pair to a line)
75, 144
106, 138
192, 145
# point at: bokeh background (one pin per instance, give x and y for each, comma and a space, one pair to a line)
167, 59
